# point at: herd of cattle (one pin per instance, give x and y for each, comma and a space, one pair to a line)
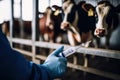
82, 22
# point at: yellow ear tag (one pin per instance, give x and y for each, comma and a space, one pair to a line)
56, 12
90, 12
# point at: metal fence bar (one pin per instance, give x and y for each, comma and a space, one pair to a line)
11, 21
100, 52
34, 26
92, 51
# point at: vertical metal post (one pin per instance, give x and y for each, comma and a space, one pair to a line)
34, 27
21, 24
49, 3
11, 21
21, 21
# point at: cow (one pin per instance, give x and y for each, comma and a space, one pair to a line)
107, 25
49, 24
107, 30
79, 21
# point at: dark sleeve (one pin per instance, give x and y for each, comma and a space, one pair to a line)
39, 73
14, 66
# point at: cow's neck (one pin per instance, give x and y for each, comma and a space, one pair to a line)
74, 28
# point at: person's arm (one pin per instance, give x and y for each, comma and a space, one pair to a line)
15, 67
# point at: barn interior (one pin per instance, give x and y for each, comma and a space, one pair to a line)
24, 23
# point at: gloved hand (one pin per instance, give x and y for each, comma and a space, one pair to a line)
55, 65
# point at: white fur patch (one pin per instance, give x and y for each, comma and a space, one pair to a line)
102, 12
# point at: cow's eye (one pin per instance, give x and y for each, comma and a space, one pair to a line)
65, 8
96, 18
63, 15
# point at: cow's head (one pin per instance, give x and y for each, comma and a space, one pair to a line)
49, 21
105, 16
69, 14
51, 14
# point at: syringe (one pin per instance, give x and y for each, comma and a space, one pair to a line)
69, 51
72, 50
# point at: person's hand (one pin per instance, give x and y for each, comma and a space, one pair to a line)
55, 65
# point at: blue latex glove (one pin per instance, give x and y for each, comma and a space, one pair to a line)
56, 66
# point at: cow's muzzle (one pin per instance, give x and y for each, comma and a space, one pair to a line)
100, 32
65, 25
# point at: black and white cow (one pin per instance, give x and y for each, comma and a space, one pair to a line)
70, 11
79, 21
107, 25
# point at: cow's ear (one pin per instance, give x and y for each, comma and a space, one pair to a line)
118, 8
56, 13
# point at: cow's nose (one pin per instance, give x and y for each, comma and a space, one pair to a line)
100, 32
64, 25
